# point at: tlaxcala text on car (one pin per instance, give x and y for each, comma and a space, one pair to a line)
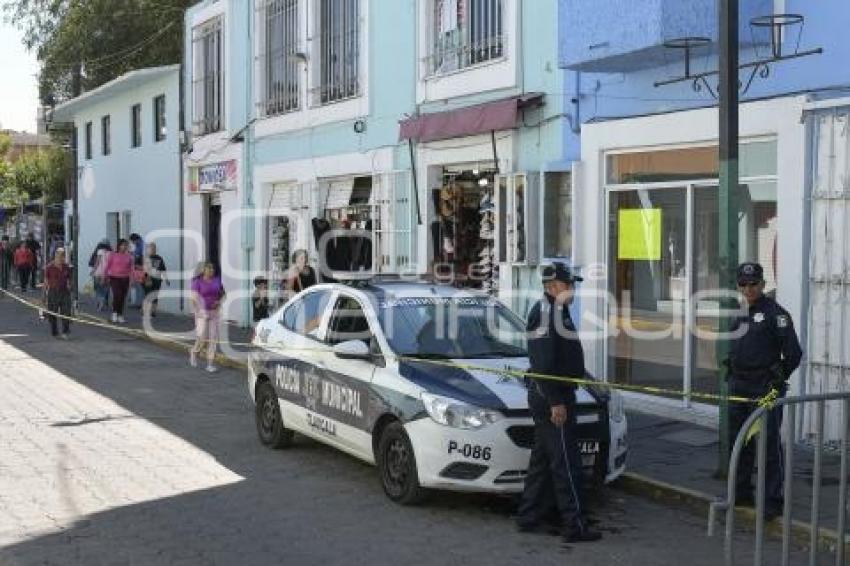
377, 370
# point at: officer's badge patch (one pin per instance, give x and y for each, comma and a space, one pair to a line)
782, 321
758, 317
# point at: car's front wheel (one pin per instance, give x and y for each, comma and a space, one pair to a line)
270, 427
397, 466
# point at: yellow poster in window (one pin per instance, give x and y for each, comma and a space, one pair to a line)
639, 234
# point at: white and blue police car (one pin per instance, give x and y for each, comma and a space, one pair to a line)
392, 373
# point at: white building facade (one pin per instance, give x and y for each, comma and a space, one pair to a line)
128, 165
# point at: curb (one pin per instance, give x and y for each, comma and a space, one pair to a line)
172, 345
699, 503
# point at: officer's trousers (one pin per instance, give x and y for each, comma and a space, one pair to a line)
554, 470
774, 468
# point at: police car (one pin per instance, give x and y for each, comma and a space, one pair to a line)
410, 377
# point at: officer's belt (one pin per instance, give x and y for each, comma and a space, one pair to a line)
740, 372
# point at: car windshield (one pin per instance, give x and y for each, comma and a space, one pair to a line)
443, 328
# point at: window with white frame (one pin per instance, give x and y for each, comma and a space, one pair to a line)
464, 33
279, 66
207, 77
338, 29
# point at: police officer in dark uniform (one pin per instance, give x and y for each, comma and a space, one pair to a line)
555, 468
762, 358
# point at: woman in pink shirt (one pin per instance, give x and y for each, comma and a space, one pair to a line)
119, 268
207, 295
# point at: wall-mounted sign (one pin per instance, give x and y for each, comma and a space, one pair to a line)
639, 234
213, 177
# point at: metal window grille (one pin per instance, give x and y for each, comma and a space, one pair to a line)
105, 136
207, 78
160, 129
339, 51
394, 222
278, 63
136, 125
465, 33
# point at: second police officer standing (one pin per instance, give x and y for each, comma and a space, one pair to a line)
555, 467
763, 356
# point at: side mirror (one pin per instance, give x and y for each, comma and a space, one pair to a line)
353, 350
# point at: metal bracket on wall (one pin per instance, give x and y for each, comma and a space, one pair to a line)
777, 24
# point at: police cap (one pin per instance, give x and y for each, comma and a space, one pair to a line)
750, 272
559, 271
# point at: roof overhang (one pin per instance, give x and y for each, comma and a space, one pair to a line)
66, 111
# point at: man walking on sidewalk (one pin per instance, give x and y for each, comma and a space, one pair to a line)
554, 350
762, 358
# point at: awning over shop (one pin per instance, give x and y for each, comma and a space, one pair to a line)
469, 121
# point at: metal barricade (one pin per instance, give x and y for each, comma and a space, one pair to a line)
761, 415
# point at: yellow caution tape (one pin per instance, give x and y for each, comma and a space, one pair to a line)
768, 400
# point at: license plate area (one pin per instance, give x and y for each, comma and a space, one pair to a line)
589, 450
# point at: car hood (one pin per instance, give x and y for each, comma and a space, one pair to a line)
478, 387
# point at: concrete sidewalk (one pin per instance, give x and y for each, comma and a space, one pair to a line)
676, 460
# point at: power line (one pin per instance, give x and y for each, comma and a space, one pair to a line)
123, 55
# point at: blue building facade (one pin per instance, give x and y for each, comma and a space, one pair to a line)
435, 127
646, 195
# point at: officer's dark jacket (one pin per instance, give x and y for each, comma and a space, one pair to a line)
769, 338
554, 349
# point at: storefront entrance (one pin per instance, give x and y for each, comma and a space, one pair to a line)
663, 266
464, 230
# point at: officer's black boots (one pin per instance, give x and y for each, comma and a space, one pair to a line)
583, 535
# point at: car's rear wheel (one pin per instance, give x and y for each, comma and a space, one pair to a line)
397, 466
270, 427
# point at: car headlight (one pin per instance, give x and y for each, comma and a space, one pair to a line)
616, 407
456, 414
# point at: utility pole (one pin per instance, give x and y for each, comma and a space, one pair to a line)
76, 90
728, 202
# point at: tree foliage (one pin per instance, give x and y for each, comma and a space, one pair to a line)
33, 175
96, 40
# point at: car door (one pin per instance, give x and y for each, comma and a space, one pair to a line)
297, 352
347, 382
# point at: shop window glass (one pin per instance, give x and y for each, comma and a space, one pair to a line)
648, 235
755, 159
756, 242
557, 215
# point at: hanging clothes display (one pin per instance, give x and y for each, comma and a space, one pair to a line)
463, 234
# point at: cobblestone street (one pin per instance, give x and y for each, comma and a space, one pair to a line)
115, 451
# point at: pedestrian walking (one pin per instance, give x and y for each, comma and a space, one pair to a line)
24, 260
35, 247
119, 269
7, 262
207, 295
763, 355
57, 291
100, 281
137, 290
154, 275
555, 466
260, 299
301, 275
